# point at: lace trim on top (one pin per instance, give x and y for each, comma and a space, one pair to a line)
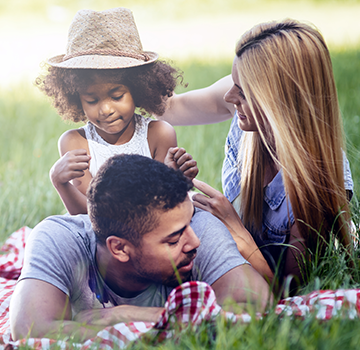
100, 150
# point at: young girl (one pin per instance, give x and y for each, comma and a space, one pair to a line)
285, 171
103, 77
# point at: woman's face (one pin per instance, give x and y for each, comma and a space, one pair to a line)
236, 96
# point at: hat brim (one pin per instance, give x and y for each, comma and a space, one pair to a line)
100, 61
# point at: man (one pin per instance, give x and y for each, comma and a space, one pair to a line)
81, 275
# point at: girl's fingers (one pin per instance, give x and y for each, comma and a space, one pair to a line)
75, 157
79, 152
188, 165
79, 166
77, 173
74, 161
79, 159
181, 156
173, 150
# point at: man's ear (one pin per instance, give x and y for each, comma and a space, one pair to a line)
119, 248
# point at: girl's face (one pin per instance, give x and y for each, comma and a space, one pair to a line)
236, 96
110, 107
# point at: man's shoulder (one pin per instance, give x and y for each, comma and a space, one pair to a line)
66, 223
64, 229
200, 214
217, 253
59, 251
210, 230
204, 221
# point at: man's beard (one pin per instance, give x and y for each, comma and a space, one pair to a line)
148, 276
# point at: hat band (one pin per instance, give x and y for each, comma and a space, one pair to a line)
142, 56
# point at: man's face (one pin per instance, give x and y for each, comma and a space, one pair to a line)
170, 247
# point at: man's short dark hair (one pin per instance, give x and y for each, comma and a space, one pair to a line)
127, 193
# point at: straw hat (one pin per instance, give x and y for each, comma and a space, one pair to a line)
103, 40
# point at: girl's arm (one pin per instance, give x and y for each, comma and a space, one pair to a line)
161, 136
203, 106
217, 204
70, 174
162, 142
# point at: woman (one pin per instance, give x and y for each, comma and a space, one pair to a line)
284, 170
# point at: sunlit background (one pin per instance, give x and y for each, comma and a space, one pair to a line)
33, 30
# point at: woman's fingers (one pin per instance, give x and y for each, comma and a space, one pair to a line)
205, 188
200, 198
213, 201
208, 200
202, 202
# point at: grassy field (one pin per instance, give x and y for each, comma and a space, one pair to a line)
28, 141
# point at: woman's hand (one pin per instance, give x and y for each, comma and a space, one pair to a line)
217, 204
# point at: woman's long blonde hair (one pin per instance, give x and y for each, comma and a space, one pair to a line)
286, 74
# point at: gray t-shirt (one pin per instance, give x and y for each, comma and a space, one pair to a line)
61, 251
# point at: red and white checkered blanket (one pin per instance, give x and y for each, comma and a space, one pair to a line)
191, 303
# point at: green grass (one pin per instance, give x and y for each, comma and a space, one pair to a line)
347, 67
271, 332
28, 142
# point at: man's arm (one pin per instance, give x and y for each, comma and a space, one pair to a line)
202, 106
39, 309
242, 285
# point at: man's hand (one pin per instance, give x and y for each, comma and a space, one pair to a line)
122, 313
178, 158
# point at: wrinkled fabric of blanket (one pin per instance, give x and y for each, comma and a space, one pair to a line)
191, 303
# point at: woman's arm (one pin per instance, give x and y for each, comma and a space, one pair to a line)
295, 254
217, 204
203, 106
70, 174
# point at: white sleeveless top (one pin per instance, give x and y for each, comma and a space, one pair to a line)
100, 150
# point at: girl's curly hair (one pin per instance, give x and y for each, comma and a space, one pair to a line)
149, 85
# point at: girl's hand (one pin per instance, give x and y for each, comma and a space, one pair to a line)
177, 158
70, 166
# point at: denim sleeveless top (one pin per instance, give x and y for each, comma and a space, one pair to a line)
277, 212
